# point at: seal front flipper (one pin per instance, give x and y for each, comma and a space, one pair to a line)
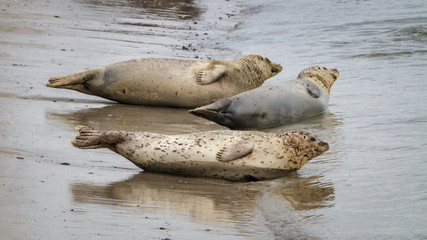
234, 151
313, 91
210, 75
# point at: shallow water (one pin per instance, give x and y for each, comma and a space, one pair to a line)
371, 184
377, 161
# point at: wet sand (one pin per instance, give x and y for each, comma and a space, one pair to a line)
50, 190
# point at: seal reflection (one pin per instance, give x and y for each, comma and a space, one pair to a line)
136, 118
216, 203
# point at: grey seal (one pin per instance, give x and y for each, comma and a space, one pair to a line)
229, 155
270, 106
171, 82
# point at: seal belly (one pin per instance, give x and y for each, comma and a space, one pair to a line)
141, 81
201, 162
212, 170
153, 84
266, 107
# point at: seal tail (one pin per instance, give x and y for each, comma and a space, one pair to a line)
75, 81
90, 138
215, 112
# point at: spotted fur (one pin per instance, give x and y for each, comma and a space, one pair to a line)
199, 154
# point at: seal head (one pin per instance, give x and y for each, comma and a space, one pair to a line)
257, 68
321, 76
304, 146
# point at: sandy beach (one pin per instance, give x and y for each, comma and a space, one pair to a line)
49, 189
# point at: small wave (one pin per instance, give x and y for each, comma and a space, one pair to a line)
388, 54
171, 10
417, 33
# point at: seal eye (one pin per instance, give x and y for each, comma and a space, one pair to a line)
268, 60
313, 139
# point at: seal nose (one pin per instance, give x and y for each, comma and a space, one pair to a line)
324, 145
277, 68
335, 71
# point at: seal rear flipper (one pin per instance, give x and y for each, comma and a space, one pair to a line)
90, 138
234, 151
75, 81
210, 75
215, 112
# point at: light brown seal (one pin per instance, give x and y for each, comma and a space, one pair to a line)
270, 106
230, 155
171, 82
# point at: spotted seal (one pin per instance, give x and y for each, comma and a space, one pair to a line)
230, 155
171, 82
270, 106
